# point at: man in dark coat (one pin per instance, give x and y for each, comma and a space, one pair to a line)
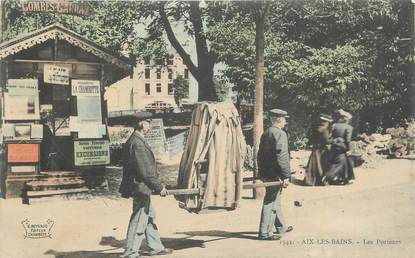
274, 164
140, 179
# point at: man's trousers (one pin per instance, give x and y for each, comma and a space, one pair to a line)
271, 215
142, 226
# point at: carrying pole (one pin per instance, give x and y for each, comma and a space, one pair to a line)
198, 191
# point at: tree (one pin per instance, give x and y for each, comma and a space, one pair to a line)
221, 89
190, 15
181, 89
310, 67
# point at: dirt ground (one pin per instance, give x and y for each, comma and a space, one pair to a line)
374, 217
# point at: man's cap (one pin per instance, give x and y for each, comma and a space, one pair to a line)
278, 113
345, 114
325, 117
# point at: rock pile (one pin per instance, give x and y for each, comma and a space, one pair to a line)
402, 141
366, 150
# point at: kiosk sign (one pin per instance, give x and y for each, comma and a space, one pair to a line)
56, 74
62, 7
91, 153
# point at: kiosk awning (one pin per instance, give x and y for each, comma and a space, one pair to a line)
29, 40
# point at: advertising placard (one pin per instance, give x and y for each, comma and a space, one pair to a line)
85, 88
21, 102
89, 153
156, 137
22, 152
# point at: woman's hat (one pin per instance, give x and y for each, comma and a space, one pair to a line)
345, 114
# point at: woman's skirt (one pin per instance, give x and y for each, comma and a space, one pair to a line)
315, 168
340, 168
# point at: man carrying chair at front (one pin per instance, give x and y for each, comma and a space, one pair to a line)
274, 165
140, 179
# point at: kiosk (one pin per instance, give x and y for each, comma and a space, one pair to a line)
53, 113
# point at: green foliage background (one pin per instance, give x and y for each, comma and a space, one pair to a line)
320, 55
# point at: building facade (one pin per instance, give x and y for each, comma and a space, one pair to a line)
149, 88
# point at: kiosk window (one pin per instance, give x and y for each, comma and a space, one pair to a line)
61, 100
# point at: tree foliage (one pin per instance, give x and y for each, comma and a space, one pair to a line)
321, 55
188, 18
181, 89
112, 24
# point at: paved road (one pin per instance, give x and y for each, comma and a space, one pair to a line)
375, 217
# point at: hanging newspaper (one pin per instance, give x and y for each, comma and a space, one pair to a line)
56, 74
21, 102
88, 101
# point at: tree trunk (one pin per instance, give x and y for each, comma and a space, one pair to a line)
206, 86
259, 89
203, 72
411, 90
205, 58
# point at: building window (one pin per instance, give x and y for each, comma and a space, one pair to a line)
158, 72
170, 88
170, 73
146, 60
170, 60
159, 61
186, 73
158, 87
147, 73
147, 89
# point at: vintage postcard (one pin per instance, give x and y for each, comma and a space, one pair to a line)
218, 129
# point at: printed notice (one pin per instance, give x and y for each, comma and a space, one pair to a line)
56, 74
89, 153
85, 88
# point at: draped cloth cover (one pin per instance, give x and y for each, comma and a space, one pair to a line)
216, 136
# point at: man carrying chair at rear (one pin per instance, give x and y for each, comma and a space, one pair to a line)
140, 179
273, 165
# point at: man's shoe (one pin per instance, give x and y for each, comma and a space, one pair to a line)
273, 237
324, 181
289, 229
162, 252
130, 255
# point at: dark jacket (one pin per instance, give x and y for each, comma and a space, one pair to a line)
320, 134
344, 131
273, 156
139, 168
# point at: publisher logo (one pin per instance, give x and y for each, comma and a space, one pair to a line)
37, 230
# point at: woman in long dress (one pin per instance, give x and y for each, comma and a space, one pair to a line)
340, 167
320, 138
